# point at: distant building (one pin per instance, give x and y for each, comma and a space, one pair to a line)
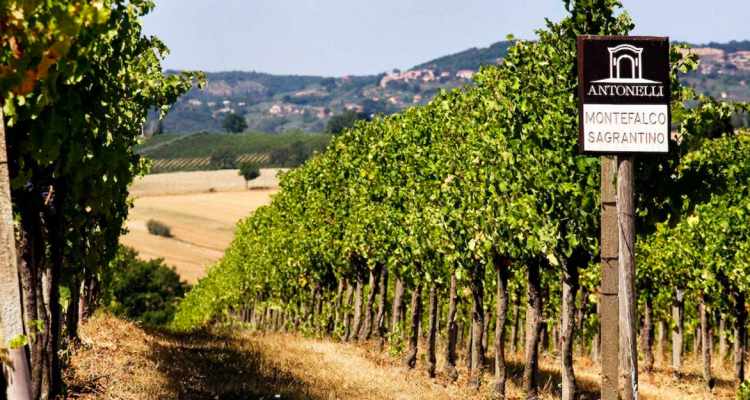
425, 75
226, 103
354, 107
194, 102
275, 110
394, 100
211, 103
417, 98
445, 74
465, 73
241, 104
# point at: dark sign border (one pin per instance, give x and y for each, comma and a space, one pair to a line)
581, 92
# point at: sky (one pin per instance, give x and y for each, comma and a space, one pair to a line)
362, 37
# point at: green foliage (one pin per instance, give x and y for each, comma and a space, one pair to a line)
342, 121
234, 123
223, 159
249, 170
146, 291
743, 392
294, 155
490, 174
158, 228
18, 342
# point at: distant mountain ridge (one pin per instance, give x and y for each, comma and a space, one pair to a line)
278, 103
469, 59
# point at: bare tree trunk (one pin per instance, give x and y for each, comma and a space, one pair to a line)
32, 265
647, 335
580, 317
358, 300
339, 302
449, 369
514, 327
533, 329
706, 344
556, 339
71, 314
740, 316
522, 334
16, 379
398, 298
678, 333
697, 338
374, 283
498, 386
380, 326
722, 339
596, 342
410, 358
432, 332
460, 336
469, 346
347, 314
569, 290
486, 330
661, 338
477, 329
317, 303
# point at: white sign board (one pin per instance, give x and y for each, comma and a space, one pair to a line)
623, 94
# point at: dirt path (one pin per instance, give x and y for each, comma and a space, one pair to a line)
121, 360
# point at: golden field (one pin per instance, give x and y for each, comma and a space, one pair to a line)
201, 208
122, 360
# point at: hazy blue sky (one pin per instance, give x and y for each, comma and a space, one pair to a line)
356, 37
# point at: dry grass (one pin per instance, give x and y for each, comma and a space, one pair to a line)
120, 360
202, 226
201, 182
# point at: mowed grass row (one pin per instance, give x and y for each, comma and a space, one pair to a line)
195, 164
201, 145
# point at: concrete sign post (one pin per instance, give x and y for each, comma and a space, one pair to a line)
623, 110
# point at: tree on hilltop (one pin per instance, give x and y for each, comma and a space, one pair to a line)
234, 123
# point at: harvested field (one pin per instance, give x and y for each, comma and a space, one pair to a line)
202, 222
121, 360
201, 182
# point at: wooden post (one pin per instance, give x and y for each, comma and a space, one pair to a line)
626, 219
609, 330
16, 372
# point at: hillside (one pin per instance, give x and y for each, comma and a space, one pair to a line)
469, 59
193, 151
277, 103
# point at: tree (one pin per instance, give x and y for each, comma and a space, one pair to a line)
159, 128
249, 170
146, 291
223, 159
345, 120
328, 84
234, 123
88, 92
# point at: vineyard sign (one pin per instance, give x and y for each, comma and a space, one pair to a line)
623, 94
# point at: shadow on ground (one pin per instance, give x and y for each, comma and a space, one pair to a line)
218, 366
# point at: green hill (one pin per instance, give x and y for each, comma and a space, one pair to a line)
469, 59
278, 103
193, 151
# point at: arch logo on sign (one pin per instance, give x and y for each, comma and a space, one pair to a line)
623, 94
